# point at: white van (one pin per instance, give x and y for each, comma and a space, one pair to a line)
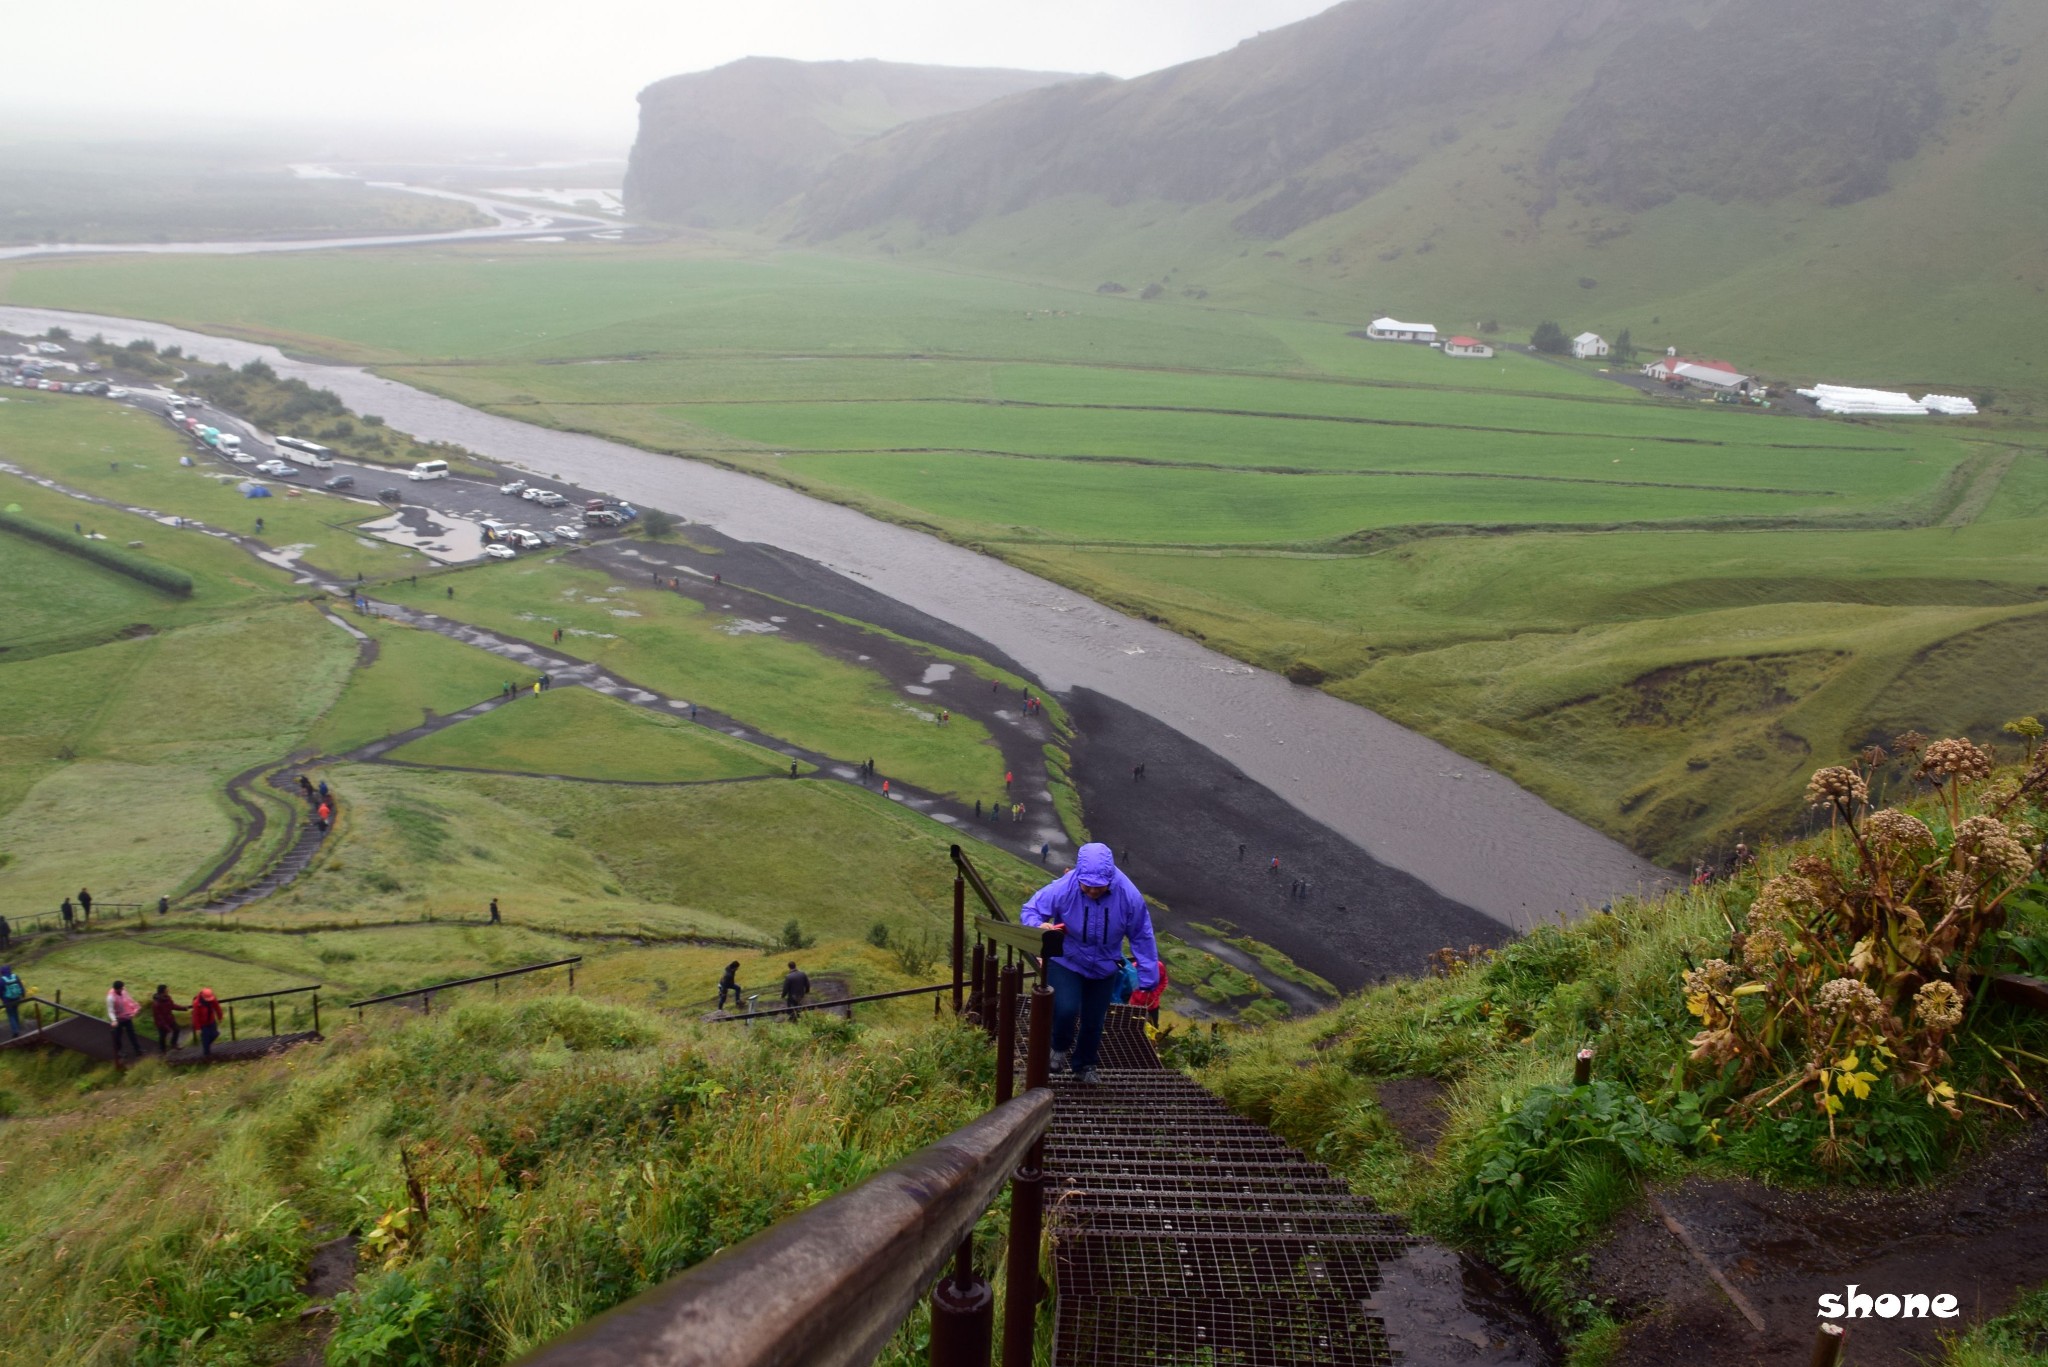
230, 443
429, 469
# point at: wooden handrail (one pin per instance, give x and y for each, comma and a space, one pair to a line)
827, 1287
978, 883
571, 961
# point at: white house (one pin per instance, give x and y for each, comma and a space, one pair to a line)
1467, 346
1589, 344
1394, 330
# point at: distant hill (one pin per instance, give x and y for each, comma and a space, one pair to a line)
727, 145
1843, 186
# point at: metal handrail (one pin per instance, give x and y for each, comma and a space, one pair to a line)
978, 883
824, 1006
431, 988
828, 1287
258, 996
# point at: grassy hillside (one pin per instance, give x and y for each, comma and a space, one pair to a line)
1855, 197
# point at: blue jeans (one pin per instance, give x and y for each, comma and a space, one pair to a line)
1079, 1007
14, 1018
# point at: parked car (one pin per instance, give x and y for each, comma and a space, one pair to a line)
391, 496
602, 517
339, 482
493, 529
272, 467
548, 498
568, 533
115, 391
498, 550
92, 367
523, 539
516, 486
531, 493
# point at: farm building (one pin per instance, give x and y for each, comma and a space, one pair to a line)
1707, 374
1467, 346
1394, 330
1589, 344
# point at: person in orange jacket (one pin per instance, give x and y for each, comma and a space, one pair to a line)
206, 1018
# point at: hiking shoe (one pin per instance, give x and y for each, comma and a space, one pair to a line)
1062, 1061
1088, 1077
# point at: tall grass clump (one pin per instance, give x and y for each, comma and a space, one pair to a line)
510, 1169
1820, 1016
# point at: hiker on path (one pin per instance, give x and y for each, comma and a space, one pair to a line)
796, 985
730, 982
163, 908
792, 768
121, 1012
1045, 852
85, 903
163, 1010
1274, 867
326, 814
1101, 909
6, 932
977, 817
206, 1016
494, 912
70, 916
12, 993
885, 787
323, 790
451, 590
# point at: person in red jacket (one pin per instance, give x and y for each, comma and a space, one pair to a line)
163, 1010
206, 1015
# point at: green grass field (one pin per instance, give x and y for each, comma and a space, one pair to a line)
1651, 611
416, 674
576, 733
673, 644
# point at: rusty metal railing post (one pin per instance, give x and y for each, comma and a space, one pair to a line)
1006, 1033
1027, 1201
963, 1314
316, 1013
959, 941
975, 999
231, 1023
1582, 1068
273, 1015
1827, 1345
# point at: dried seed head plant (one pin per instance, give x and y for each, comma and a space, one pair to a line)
1857, 965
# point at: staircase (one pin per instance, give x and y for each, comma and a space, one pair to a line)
1182, 1233
289, 866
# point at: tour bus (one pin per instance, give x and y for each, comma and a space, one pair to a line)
429, 469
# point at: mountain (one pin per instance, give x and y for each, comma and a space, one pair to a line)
727, 145
1841, 186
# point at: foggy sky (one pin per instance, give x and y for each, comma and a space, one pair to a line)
526, 65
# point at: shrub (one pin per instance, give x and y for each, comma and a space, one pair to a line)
154, 573
793, 936
878, 935
1549, 339
917, 955
657, 523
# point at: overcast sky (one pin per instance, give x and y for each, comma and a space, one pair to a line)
532, 65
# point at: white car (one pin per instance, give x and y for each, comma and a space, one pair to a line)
523, 539
498, 550
568, 534
273, 467
548, 498
516, 486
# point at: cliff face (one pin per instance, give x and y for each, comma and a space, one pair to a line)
1647, 100
726, 146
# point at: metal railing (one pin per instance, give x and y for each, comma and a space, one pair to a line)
271, 998
828, 1287
765, 1012
426, 994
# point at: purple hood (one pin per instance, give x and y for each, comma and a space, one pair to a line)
1096, 930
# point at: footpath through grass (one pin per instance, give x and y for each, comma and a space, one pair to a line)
743, 668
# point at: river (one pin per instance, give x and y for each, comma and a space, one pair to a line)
1469, 833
